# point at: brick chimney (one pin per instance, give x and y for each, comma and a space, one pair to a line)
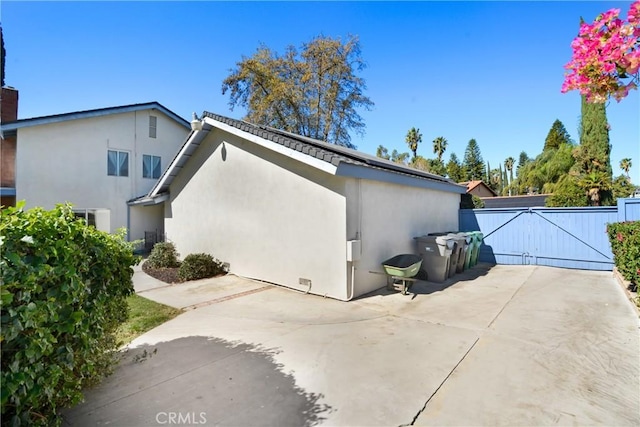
9, 104
8, 113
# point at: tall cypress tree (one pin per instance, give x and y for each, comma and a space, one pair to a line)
595, 150
593, 155
505, 180
3, 54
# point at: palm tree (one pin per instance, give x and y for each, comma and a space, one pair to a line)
508, 164
594, 184
413, 138
625, 165
440, 146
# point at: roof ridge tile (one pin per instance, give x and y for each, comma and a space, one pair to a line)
333, 154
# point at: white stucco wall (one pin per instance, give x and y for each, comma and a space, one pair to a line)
67, 161
272, 218
146, 218
386, 218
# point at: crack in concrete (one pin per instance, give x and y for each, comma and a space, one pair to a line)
415, 418
512, 297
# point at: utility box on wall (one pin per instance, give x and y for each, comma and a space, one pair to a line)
353, 250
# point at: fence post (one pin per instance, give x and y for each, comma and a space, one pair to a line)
622, 213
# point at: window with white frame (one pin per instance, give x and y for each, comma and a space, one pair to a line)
88, 215
151, 166
117, 163
153, 126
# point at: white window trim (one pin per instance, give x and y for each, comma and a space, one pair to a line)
151, 168
118, 163
153, 127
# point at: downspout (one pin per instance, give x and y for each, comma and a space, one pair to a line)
134, 178
353, 273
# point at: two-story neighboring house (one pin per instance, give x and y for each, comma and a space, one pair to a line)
99, 160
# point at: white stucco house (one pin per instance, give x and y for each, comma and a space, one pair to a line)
98, 160
295, 211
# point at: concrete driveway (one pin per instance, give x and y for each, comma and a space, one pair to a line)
502, 345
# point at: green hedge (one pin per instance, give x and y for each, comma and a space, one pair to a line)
63, 293
625, 245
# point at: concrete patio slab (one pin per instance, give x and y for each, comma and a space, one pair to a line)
197, 381
202, 292
502, 345
565, 350
469, 300
143, 282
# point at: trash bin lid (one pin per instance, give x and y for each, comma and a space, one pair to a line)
478, 236
458, 238
467, 237
442, 239
445, 241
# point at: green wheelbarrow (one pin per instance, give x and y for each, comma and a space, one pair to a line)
401, 271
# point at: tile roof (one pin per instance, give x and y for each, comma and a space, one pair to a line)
524, 201
330, 153
473, 184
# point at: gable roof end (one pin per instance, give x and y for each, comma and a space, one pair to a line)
56, 118
330, 153
330, 158
474, 184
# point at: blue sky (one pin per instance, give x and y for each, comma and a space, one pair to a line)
485, 70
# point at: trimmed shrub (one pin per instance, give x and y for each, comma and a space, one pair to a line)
63, 294
625, 245
199, 266
163, 255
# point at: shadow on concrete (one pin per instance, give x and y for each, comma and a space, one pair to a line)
198, 380
426, 287
486, 254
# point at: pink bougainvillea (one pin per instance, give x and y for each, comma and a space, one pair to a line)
606, 56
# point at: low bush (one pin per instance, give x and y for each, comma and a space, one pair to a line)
625, 245
63, 295
200, 266
163, 255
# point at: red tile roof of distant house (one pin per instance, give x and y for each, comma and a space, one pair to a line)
473, 185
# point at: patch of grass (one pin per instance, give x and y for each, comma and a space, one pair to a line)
144, 315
